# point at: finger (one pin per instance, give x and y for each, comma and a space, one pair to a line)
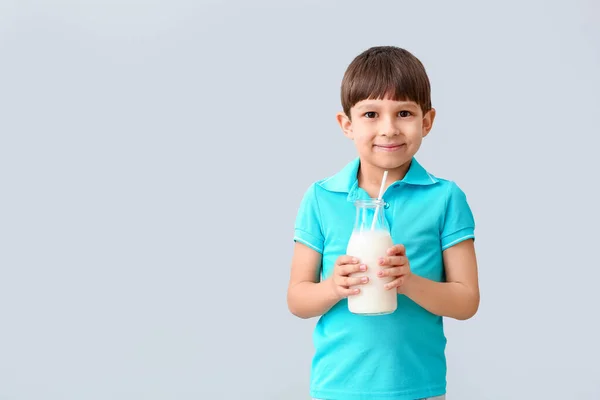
349, 292
398, 250
348, 269
393, 260
348, 282
343, 260
393, 271
394, 284
359, 280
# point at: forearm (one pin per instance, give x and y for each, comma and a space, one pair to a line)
447, 299
309, 299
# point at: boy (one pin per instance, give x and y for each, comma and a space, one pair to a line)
387, 112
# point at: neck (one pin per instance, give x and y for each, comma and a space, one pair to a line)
370, 176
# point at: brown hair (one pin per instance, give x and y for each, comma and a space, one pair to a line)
385, 71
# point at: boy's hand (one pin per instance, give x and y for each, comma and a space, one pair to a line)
395, 265
342, 284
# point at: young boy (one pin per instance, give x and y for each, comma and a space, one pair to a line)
399, 356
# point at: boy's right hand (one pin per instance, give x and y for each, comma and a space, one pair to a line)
342, 284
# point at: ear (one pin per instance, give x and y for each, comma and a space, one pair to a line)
345, 124
428, 121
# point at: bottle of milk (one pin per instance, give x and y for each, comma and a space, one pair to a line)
370, 240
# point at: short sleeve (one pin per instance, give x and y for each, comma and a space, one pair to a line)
459, 224
307, 229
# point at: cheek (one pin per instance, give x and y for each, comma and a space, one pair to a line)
363, 144
413, 131
363, 136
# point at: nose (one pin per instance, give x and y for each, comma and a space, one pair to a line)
388, 128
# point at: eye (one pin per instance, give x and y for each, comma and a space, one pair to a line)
405, 114
370, 114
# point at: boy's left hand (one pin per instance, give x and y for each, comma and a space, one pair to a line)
395, 265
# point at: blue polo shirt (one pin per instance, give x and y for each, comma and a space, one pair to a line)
398, 356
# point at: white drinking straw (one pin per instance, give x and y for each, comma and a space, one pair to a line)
379, 198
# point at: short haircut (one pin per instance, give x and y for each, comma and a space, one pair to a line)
386, 71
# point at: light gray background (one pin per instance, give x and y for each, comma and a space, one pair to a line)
153, 155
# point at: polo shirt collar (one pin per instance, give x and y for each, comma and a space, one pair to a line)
346, 180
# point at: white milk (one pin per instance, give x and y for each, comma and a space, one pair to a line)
373, 299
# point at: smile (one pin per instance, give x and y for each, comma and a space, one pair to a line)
389, 147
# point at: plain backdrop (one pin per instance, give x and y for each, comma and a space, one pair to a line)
153, 155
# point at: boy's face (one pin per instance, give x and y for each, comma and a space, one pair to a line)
386, 133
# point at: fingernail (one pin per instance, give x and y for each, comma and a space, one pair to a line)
381, 261
363, 267
355, 260
380, 273
364, 279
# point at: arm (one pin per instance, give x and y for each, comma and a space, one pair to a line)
306, 296
458, 297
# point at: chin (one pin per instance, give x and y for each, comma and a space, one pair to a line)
390, 163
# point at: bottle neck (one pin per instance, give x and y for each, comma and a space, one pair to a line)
370, 215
